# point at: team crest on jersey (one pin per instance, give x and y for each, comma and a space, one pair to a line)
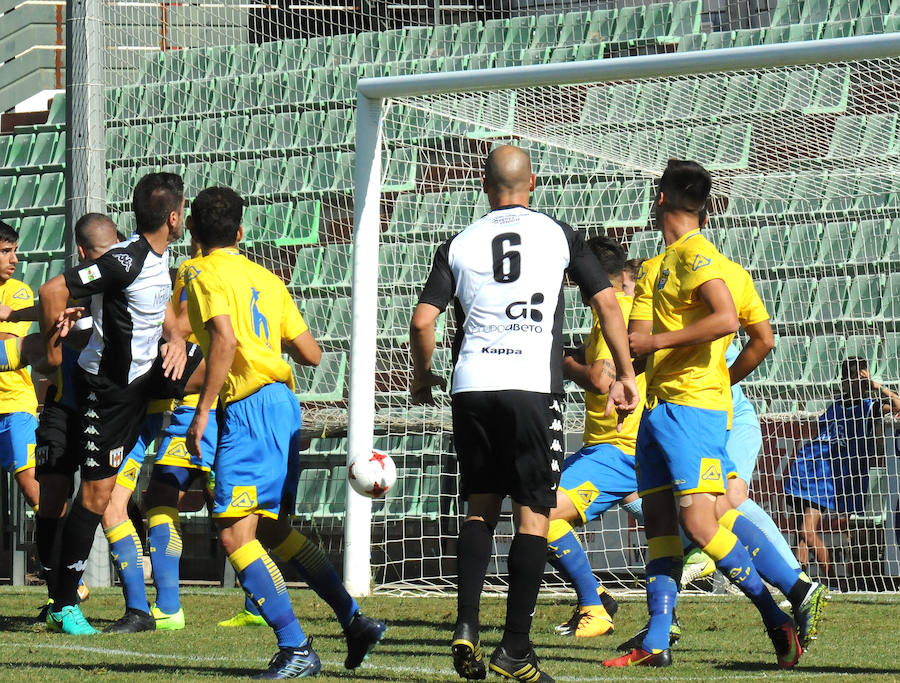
700, 261
116, 456
22, 295
125, 261
710, 469
89, 274
663, 278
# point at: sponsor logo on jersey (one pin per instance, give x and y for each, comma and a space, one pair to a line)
556, 426
91, 429
92, 396
92, 414
243, 498
78, 566
586, 494
555, 406
511, 327
125, 261
522, 309
498, 351
22, 295
700, 261
116, 455
89, 274
710, 469
91, 446
556, 446
90, 462
130, 471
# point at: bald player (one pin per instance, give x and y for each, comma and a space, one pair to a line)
505, 274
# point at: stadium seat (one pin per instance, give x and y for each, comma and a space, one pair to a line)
467, 38
803, 240
325, 382
431, 492
847, 136
786, 12
622, 103
800, 85
19, 150
403, 216
770, 247
391, 257
869, 242
748, 36
7, 190
829, 300
864, 346
738, 244
271, 174
25, 188
366, 48
338, 128
838, 29
629, 24
740, 94
29, 230
44, 148
303, 226
692, 42
840, 191
889, 362
864, 297
336, 493
52, 236
340, 49
807, 192
658, 20
718, 40
874, 192
443, 37
790, 358
400, 173
633, 205
685, 19
310, 500
574, 29
768, 291
832, 88
518, 35
120, 185
771, 92
336, 260
316, 311
601, 27
254, 223
546, 31
577, 321
36, 275
796, 298
418, 262
890, 309
824, 359
837, 239
816, 11
220, 174
869, 26
416, 40
892, 248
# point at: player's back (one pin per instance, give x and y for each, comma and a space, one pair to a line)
261, 310
16, 388
508, 268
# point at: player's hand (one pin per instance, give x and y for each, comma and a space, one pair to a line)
67, 319
174, 357
420, 388
195, 430
641, 344
5, 312
623, 398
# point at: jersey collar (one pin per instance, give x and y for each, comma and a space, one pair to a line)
509, 206
686, 237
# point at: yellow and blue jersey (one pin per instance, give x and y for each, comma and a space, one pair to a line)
16, 388
642, 306
599, 428
696, 375
262, 313
179, 300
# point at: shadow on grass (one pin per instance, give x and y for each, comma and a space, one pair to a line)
836, 670
134, 667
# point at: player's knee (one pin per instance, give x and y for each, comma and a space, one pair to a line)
95, 496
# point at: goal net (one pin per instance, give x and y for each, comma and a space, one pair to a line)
805, 169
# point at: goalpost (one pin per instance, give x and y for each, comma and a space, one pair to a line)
803, 144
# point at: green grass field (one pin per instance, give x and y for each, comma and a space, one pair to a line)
723, 640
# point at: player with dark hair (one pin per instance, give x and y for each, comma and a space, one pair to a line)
505, 272
129, 287
243, 316
681, 447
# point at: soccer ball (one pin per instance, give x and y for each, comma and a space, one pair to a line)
372, 476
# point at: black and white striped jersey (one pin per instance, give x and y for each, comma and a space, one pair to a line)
129, 288
506, 273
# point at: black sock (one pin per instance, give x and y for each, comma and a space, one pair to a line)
473, 552
527, 557
48, 537
798, 592
78, 537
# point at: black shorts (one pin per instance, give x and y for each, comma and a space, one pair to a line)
163, 387
111, 420
56, 450
509, 443
799, 505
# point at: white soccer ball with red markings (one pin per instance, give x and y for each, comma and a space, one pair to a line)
373, 476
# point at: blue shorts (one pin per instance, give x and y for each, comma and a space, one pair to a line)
742, 449
259, 439
17, 441
172, 450
681, 448
597, 477
130, 469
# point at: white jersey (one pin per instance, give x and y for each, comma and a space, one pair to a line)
506, 272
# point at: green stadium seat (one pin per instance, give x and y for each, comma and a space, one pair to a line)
220, 174
403, 217
718, 40
336, 493
242, 59
162, 138
864, 297
889, 361
832, 88
416, 40
431, 212
338, 128
341, 49
270, 173
622, 103
390, 261
153, 67
652, 105
232, 134
519, 34
879, 131
195, 178
740, 94
467, 38
415, 270
874, 192
254, 224
120, 185
336, 262
799, 94
601, 204
284, 131
574, 28
209, 136
137, 141
35, 275
259, 131
602, 26
829, 300
25, 188
732, 150
298, 54
508, 58
245, 177
51, 191
869, 26
443, 38
459, 210
864, 346
481, 61
890, 309
53, 235
709, 99
176, 96
869, 243
400, 172
658, 19
789, 360
771, 92
847, 136
629, 24
837, 239
303, 226
838, 29
681, 99
43, 149
685, 19
892, 248
325, 382
824, 361
796, 297
538, 55
768, 291
748, 36
633, 204
310, 501
366, 48
340, 319
645, 244
19, 151
29, 230
493, 35
786, 12
840, 191
803, 241
807, 192
692, 42
817, 11
739, 243
152, 101
546, 31
294, 177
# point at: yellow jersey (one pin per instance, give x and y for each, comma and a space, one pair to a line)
694, 375
16, 388
179, 299
642, 308
599, 428
747, 302
262, 313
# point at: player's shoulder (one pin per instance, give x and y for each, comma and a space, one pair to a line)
17, 291
695, 252
650, 267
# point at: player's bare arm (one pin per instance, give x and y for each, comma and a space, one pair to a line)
173, 352
421, 348
304, 349
721, 320
761, 343
8, 314
623, 392
222, 345
54, 296
597, 377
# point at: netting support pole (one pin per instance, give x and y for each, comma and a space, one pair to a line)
363, 328
85, 127
86, 166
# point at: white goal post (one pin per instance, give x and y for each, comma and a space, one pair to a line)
373, 93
